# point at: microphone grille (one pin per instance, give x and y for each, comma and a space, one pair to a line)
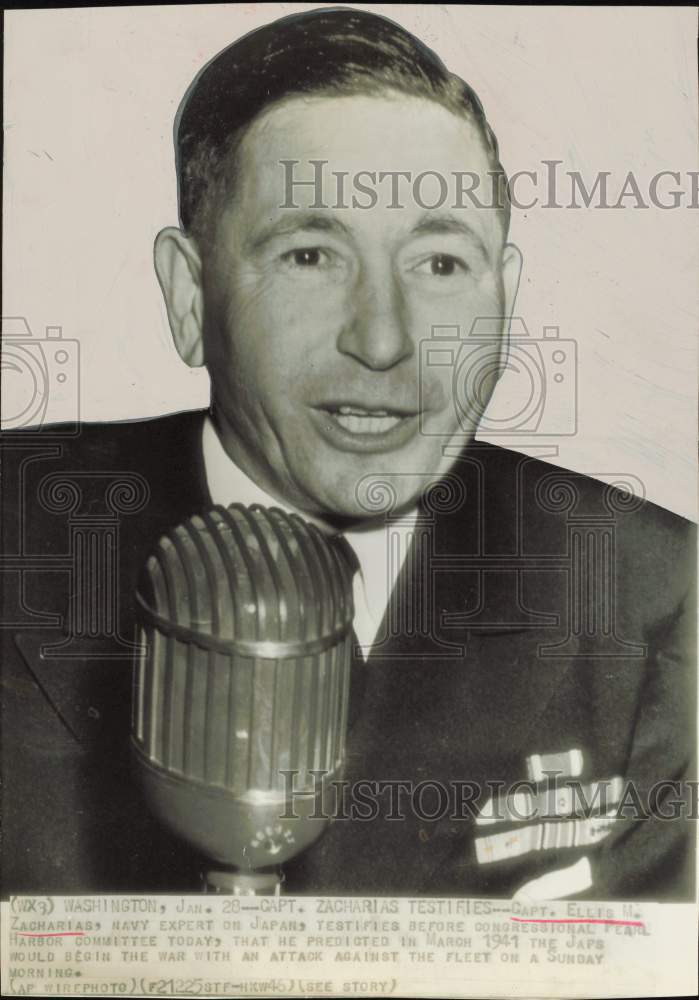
247, 617
251, 579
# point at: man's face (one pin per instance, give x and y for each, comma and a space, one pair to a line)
314, 316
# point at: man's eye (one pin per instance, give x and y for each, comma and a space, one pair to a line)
444, 266
316, 264
441, 265
306, 257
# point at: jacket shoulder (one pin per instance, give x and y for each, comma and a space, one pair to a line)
129, 443
653, 549
548, 488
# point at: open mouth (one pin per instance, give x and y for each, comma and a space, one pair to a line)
358, 425
357, 419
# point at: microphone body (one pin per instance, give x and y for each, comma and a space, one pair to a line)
241, 687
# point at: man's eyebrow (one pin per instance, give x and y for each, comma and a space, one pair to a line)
299, 221
438, 225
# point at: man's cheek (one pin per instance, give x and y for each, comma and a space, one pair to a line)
435, 389
315, 313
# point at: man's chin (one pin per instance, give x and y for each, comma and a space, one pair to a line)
348, 491
371, 498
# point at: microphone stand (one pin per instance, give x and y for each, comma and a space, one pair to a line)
234, 882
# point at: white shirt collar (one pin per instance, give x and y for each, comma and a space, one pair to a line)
226, 481
381, 550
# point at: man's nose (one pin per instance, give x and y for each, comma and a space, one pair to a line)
376, 330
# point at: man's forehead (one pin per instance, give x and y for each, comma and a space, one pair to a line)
349, 125
411, 152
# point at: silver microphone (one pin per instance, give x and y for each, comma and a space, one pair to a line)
241, 687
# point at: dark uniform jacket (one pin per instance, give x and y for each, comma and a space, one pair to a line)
543, 621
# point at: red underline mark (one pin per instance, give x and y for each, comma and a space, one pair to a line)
572, 920
52, 934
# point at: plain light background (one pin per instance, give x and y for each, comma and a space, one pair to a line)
90, 97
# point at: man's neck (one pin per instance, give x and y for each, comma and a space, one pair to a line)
379, 561
230, 475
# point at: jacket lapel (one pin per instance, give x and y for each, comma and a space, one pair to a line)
86, 678
458, 700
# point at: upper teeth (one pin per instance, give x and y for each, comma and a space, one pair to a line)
360, 412
367, 423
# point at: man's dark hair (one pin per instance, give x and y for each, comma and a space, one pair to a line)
325, 52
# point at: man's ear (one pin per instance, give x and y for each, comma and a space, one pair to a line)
511, 270
178, 266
